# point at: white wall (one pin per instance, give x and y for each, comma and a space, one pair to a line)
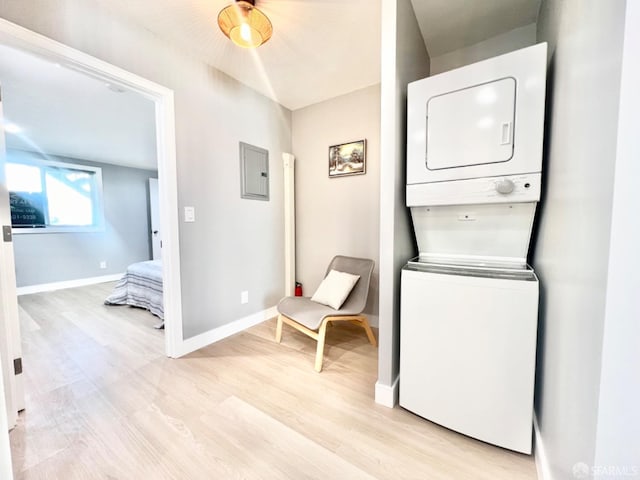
404, 58
55, 257
234, 244
337, 215
618, 429
515, 39
572, 246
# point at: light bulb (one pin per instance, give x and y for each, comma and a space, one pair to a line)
245, 32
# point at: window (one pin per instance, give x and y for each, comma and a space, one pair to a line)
54, 197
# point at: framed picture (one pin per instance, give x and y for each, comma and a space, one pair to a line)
348, 159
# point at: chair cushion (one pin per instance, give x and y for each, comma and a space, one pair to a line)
335, 288
304, 311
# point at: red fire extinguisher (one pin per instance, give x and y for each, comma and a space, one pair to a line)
298, 291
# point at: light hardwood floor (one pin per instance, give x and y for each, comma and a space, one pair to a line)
104, 402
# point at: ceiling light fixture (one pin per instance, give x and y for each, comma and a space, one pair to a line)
244, 24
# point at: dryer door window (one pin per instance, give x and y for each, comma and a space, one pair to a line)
472, 126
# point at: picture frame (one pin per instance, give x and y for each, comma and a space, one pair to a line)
347, 159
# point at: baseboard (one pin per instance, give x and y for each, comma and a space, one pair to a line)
207, 338
540, 454
80, 282
387, 395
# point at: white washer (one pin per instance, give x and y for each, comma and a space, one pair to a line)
468, 349
469, 302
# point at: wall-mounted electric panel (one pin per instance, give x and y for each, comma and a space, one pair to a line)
254, 172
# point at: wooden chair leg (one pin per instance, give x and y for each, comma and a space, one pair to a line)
320, 351
367, 328
279, 329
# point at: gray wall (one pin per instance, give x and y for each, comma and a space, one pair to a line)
337, 215
404, 59
618, 431
55, 257
572, 245
507, 42
234, 244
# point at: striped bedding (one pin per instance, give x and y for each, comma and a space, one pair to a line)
140, 286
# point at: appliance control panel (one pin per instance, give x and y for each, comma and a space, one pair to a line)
505, 186
502, 189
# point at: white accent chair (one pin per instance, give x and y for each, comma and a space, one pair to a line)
312, 318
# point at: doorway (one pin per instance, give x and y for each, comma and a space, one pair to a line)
22, 39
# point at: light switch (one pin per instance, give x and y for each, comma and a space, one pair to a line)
189, 214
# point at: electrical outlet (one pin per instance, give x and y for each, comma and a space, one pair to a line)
103, 264
244, 297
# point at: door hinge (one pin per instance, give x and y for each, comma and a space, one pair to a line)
6, 233
17, 366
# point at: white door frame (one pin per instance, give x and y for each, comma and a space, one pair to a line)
10, 344
16, 36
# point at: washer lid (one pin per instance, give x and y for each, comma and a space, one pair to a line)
525, 274
490, 235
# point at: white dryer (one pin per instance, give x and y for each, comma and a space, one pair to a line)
469, 302
481, 120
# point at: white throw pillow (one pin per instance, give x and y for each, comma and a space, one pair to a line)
335, 288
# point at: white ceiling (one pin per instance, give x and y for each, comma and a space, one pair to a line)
320, 49
448, 25
63, 112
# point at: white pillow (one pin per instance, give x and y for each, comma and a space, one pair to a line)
335, 289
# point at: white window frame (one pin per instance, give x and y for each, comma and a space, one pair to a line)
98, 207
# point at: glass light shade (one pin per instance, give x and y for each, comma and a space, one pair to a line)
244, 24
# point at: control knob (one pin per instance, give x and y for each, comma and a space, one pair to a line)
505, 186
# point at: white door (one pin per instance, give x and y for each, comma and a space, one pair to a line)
472, 126
5, 448
154, 209
10, 342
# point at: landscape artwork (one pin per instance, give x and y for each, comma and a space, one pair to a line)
347, 159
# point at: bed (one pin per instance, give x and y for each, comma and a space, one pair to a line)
141, 286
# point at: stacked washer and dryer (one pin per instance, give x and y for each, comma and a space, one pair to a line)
469, 301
